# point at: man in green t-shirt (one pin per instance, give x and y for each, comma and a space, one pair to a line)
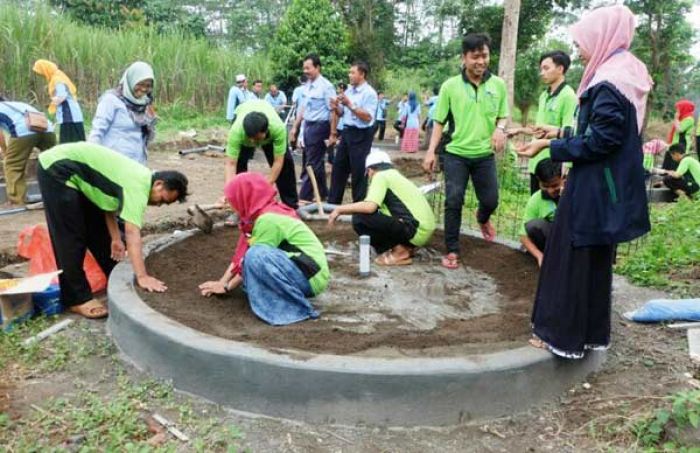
685, 180
540, 209
476, 106
85, 187
395, 214
557, 104
257, 124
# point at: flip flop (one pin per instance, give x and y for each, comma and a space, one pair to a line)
91, 309
388, 259
450, 261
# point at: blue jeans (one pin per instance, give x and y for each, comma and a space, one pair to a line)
277, 290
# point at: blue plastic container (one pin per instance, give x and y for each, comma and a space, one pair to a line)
48, 302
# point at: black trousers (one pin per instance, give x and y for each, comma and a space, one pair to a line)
457, 172
384, 232
315, 134
286, 181
350, 156
72, 132
380, 125
75, 226
687, 185
538, 231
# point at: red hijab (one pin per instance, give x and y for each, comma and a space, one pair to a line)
251, 196
685, 109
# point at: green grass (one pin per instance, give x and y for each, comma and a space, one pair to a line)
669, 256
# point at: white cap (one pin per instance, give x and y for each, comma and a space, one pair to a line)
240, 78
377, 157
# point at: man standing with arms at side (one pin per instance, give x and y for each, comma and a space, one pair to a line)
380, 121
315, 113
475, 102
237, 95
357, 106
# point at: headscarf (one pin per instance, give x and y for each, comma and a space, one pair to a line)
606, 35
137, 72
138, 109
685, 109
54, 76
412, 101
251, 195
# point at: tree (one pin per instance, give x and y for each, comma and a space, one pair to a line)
509, 43
252, 23
527, 86
309, 26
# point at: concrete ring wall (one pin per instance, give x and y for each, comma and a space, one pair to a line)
323, 388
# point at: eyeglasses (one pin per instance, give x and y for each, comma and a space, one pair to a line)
240, 82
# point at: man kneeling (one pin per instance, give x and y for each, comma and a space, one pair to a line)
541, 208
685, 180
395, 214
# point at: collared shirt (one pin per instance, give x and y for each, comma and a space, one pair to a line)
474, 111
538, 207
432, 105
554, 109
298, 95
317, 100
12, 119
236, 97
362, 97
113, 127
276, 134
382, 105
113, 182
67, 111
278, 102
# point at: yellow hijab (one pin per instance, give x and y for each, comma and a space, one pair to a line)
53, 75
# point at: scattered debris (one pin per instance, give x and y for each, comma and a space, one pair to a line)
170, 426
48, 332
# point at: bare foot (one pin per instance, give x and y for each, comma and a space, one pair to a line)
537, 343
92, 309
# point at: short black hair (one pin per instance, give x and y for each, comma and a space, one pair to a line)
254, 123
678, 148
547, 170
257, 81
361, 66
2, 98
475, 41
559, 57
173, 180
315, 59
436, 90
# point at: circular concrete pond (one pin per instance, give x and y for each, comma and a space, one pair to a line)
416, 345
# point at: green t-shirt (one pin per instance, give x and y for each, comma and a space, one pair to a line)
686, 129
277, 132
300, 243
473, 111
538, 208
112, 181
398, 197
689, 163
558, 110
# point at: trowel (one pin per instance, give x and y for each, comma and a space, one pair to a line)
200, 218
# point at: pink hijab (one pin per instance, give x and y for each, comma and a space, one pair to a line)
606, 35
251, 196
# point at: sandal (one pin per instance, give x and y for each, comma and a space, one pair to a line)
450, 261
487, 230
91, 309
388, 259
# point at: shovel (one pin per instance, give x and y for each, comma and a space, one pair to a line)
200, 218
317, 194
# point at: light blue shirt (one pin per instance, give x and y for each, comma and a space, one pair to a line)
113, 127
412, 118
236, 97
317, 100
298, 94
432, 105
12, 119
381, 109
362, 97
69, 110
278, 102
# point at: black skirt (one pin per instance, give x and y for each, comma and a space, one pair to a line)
72, 132
572, 304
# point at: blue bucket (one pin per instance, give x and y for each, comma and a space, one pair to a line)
48, 302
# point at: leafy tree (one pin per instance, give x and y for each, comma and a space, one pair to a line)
252, 23
310, 26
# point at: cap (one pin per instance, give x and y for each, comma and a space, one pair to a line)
240, 78
377, 157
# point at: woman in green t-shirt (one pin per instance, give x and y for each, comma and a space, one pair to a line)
681, 132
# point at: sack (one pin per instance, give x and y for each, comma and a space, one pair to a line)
35, 245
36, 121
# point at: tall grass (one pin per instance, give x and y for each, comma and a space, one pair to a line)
190, 73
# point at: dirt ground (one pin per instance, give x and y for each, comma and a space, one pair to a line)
645, 364
364, 315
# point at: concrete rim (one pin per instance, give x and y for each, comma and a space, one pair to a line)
331, 388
